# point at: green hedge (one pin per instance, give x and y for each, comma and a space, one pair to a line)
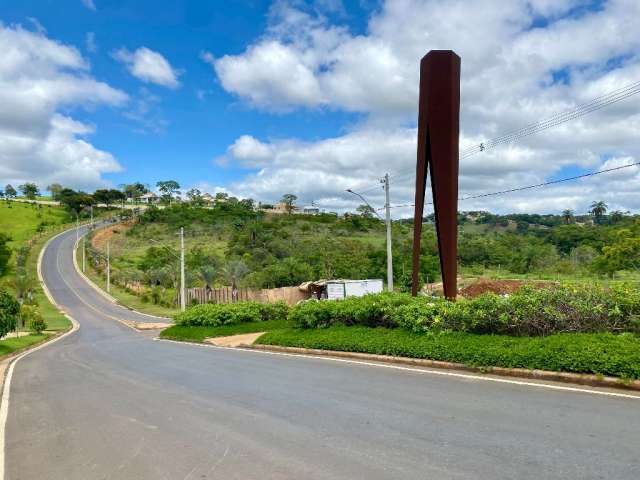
529, 311
597, 353
215, 314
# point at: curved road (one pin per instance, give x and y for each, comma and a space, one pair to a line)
107, 402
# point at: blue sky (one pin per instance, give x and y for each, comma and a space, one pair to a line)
261, 98
197, 130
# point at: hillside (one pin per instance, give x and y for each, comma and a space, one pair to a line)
233, 243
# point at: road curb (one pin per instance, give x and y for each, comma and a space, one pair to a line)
543, 375
13, 360
100, 291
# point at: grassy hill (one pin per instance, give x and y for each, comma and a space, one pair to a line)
21, 221
233, 242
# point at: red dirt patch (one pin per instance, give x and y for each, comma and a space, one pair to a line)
499, 287
100, 238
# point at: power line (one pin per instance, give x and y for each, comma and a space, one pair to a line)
559, 118
537, 185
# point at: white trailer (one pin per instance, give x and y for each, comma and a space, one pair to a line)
339, 289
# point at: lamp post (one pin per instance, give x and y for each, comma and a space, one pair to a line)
388, 223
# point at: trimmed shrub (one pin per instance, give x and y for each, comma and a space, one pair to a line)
370, 310
32, 318
529, 311
9, 311
216, 314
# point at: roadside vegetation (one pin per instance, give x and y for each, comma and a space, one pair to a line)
601, 353
572, 328
232, 242
26, 315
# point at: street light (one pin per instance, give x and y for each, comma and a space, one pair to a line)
388, 223
365, 201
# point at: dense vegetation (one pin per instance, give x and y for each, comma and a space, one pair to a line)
214, 315
532, 311
233, 243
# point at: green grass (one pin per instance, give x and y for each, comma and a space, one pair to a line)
604, 353
577, 277
198, 334
21, 220
11, 345
54, 318
122, 296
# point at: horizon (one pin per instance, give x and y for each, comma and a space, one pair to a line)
314, 98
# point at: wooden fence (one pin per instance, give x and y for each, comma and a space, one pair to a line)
290, 295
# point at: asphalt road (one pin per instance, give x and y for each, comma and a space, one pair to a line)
107, 402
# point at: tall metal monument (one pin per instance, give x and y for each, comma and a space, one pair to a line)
438, 132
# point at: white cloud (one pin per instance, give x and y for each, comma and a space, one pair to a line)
148, 66
522, 61
38, 78
90, 42
89, 4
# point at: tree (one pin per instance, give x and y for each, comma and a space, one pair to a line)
598, 209
168, 188
54, 189
195, 197
135, 190
208, 273
9, 311
366, 211
567, 216
233, 272
10, 192
29, 190
108, 196
288, 199
5, 252
623, 254
75, 201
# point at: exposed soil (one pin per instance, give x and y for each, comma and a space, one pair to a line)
101, 236
499, 287
235, 340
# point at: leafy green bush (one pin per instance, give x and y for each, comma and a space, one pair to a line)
370, 310
32, 317
9, 310
530, 311
597, 353
215, 314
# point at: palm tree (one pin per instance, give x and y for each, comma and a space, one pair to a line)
233, 272
567, 215
208, 274
598, 209
23, 284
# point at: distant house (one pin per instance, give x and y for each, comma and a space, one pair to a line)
149, 198
281, 208
311, 210
208, 199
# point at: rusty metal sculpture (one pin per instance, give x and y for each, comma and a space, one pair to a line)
438, 132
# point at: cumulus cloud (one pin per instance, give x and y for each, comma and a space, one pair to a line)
40, 77
522, 61
148, 66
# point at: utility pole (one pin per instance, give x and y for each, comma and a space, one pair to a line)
91, 207
77, 228
387, 207
108, 269
84, 250
183, 299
